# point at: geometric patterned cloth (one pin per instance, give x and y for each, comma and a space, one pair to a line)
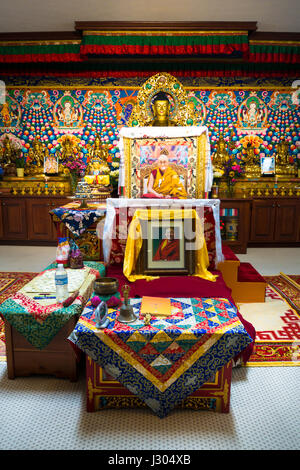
164, 362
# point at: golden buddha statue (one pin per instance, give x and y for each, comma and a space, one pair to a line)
97, 159
161, 111
97, 170
67, 150
221, 156
66, 154
8, 156
6, 118
96, 151
283, 167
252, 167
35, 160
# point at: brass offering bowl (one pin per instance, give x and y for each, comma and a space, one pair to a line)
106, 286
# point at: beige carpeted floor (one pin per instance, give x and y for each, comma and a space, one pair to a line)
41, 413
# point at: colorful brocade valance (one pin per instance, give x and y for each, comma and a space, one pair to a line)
164, 42
274, 51
96, 52
40, 51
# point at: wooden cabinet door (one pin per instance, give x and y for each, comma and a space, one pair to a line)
57, 203
39, 219
14, 219
263, 220
243, 210
286, 223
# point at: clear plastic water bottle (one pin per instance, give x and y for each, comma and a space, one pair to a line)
61, 283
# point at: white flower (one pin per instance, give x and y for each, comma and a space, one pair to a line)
218, 173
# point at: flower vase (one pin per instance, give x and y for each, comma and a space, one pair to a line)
74, 182
230, 190
215, 191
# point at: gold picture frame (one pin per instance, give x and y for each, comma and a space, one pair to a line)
191, 172
166, 248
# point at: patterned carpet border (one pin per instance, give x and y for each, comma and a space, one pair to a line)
285, 352
10, 283
288, 286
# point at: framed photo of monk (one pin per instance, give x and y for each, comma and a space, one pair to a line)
165, 167
165, 248
51, 165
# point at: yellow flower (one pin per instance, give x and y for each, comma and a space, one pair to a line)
231, 174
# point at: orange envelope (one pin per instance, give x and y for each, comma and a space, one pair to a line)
157, 306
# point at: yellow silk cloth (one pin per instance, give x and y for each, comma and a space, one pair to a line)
168, 183
135, 241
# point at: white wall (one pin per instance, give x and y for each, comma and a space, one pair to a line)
60, 15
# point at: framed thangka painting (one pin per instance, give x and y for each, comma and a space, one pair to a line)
173, 166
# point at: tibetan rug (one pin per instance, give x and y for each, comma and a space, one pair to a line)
277, 323
288, 286
10, 283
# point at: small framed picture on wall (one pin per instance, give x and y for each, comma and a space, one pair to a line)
51, 165
267, 165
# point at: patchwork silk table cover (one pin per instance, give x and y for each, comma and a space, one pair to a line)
40, 321
79, 220
164, 362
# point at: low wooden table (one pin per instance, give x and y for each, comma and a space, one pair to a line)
58, 358
36, 339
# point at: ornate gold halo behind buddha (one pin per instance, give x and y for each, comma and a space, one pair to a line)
283, 167
162, 101
221, 156
251, 162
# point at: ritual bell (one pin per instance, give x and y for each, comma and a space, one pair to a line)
126, 314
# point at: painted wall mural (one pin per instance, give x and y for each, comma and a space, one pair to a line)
260, 116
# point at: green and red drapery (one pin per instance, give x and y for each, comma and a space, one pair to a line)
99, 49
164, 43
40, 51
274, 51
